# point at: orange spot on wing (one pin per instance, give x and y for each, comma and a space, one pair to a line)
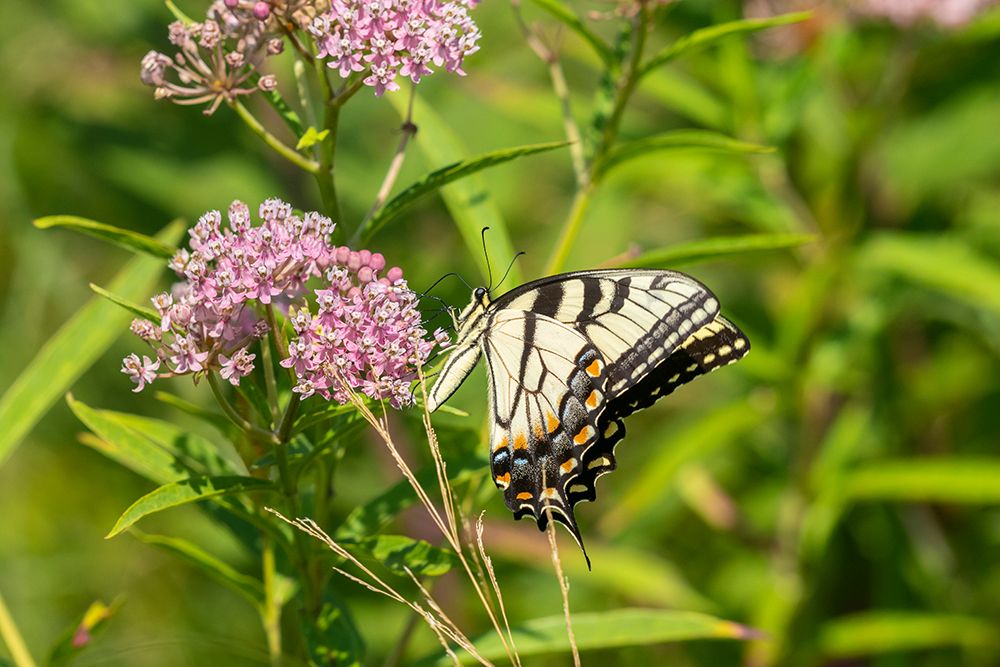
592, 400
583, 436
524, 495
504, 441
594, 369
568, 465
520, 441
550, 493
504, 479
552, 422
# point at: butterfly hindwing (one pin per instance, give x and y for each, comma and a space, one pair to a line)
546, 391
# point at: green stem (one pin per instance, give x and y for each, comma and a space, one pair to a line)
571, 228
290, 154
271, 611
231, 413
12, 638
585, 190
270, 384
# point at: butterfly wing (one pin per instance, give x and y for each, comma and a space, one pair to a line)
655, 330
546, 382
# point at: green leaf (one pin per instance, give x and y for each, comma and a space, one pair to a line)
126, 447
216, 419
71, 351
311, 137
376, 514
468, 200
135, 309
186, 491
399, 553
333, 639
81, 635
707, 36
568, 17
12, 639
605, 630
225, 574
953, 480
722, 246
875, 632
680, 140
449, 174
125, 238
286, 112
939, 263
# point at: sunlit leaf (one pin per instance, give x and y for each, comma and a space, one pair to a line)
228, 576
468, 200
680, 140
400, 553
311, 137
715, 248
449, 174
187, 491
333, 638
942, 480
126, 238
617, 628
74, 347
875, 632
712, 34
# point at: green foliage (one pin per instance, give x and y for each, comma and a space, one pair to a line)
124, 238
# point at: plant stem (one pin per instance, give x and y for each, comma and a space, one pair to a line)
271, 610
408, 130
587, 183
12, 638
270, 384
290, 154
231, 413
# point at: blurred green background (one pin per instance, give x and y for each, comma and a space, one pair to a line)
838, 489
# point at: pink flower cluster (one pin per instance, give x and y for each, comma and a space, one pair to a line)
216, 61
390, 38
365, 335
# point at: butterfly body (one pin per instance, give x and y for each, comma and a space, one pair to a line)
568, 358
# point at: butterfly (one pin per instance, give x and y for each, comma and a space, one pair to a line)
569, 357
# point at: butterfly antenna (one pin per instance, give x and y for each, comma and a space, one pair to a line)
438, 281
489, 269
509, 267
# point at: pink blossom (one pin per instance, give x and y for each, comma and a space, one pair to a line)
391, 38
140, 372
238, 366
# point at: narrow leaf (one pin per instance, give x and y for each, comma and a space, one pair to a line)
126, 447
125, 238
399, 553
605, 630
712, 34
12, 639
966, 481
135, 309
680, 140
722, 246
186, 491
311, 137
449, 174
225, 574
468, 200
942, 264
568, 17
196, 451
77, 344
286, 112
875, 632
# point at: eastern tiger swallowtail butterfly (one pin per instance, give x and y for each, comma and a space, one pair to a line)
569, 357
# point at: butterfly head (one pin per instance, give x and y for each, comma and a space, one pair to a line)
471, 317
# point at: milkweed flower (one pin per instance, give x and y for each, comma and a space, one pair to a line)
386, 39
945, 13
365, 336
217, 59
